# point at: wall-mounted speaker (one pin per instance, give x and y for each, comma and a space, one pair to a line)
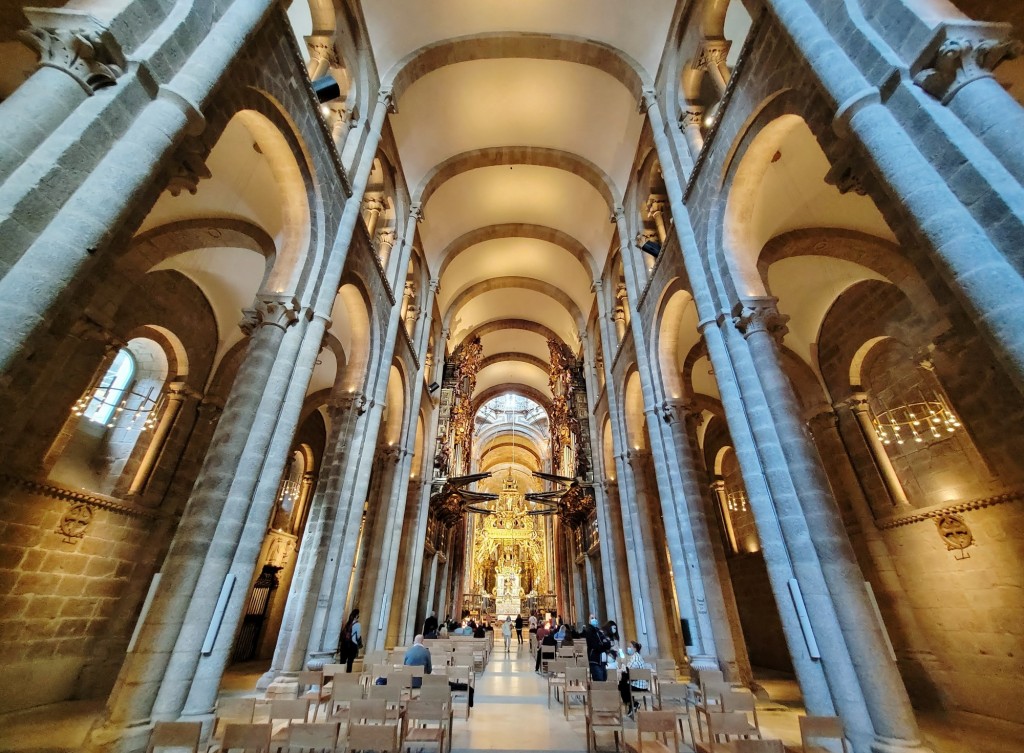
433, 387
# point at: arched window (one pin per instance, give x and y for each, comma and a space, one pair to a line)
109, 392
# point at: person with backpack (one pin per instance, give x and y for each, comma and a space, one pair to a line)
351, 640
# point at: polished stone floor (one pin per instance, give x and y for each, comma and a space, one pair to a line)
511, 714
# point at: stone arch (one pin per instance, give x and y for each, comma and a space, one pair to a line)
524, 324
633, 410
517, 155
524, 283
558, 47
667, 339
517, 357
518, 230
523, 390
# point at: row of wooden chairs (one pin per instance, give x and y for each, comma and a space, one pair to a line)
424, 723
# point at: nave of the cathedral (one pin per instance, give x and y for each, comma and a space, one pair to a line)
333, 322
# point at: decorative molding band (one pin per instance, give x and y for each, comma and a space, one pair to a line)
938, 511
100, 501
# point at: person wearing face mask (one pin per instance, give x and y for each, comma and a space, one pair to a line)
635, 661
598, 645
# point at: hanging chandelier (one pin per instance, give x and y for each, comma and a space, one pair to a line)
737, 501
925, 420
144, 409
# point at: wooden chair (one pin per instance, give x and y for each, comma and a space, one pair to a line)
462, 678
435, 680
368, 711
233, 711
177, 736
646, 676
330, 670
312, 688
289, 711
667, 670
548, 655
821, 728
759, 746
426, 723
604, 712
248, 738
660, 724
576, 684
556, 678
743, 701
720, 724
393, 695
380, 738
343, 692
313, 738
675, 697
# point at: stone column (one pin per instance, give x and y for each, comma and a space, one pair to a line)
408, 296
719, 610
385, 243
372, 207
711, 59
960, 77
341, 125
207, 534
718, 489
76, 58
643, 558
861, 410
291, 378
691, 122
920, 666
620, 314
656, 208
321, 55
880, 684
986, 281
177, 392
319, 541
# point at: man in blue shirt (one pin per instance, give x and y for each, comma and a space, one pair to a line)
418, 655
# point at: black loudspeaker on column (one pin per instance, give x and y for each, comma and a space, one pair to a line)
687, 636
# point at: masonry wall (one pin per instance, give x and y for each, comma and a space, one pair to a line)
59, 590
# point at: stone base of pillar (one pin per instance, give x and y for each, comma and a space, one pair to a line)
266, 679
282, 689
704, 663
118, 739
890, 745
318, 659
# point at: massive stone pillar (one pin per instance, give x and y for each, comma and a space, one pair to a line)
831, 562
76, 58
194, 570
292, 383
715, 602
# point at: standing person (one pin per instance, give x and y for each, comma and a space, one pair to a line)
506, 633
533, 630
519, 628
418, 655
351, 640
430, 626
598, 645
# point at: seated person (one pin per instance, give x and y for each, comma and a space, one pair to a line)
418, 655
547, 642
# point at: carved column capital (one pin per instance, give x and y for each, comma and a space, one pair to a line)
76, 44
718, 485
416, 212
617, 214
760, 315
656, 205
349, 401
386, 97
321, 47
712, 52
645, 236
271, 311
691, 117
965, 54
387, 238
372, 203
825, 418
682, 411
